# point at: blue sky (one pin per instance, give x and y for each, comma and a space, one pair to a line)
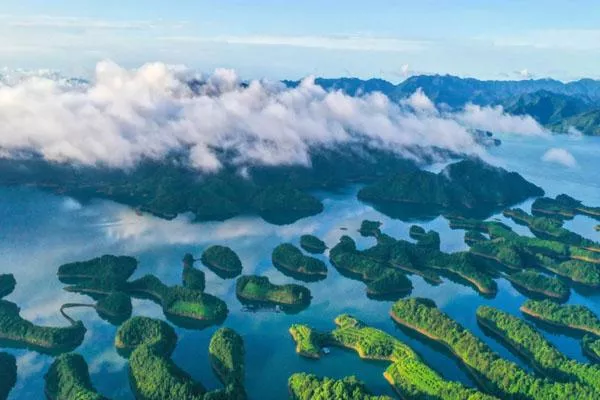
289, 39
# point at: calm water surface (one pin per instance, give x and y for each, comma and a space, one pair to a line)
40, 231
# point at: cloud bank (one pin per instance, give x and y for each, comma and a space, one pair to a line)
560, 156
123, 116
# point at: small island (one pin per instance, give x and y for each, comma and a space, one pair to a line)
303, 386
408, 374
18, 332
115, 307
68, 379
138, 331
222, 260
226, 351
535, 349
575, 317
536, 283
8, 374
428, 239
7, 284
258, 289
370, 228
312, 244
191, 277
499, 377
563, 206
283, 204
184, 304
289, 258
115, 268
472, 237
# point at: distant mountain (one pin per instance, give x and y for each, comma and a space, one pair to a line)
547, 107
587, 123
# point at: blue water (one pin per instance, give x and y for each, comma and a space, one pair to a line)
40, 231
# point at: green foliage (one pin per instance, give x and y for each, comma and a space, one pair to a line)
430, 240
222, 258
52, 339
500, 377
227, 352
591, 347
115, 268
461, 186
68, 379
536, 282
8, 374
587, 122
309, 387
284, 198
472, 237
193, 278
260, 289
370, 228
563, 206
289, 257
308, 341
7, 284
564, 315
115, 305
537, 350
137, 331
312, 244
391, 281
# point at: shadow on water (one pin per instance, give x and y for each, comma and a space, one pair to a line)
253, 306
298, 276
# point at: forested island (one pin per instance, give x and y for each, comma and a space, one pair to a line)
410, 377
468, 186
289, 259
591, 347
563, 206
222, 260
537, 283
68, 379
191, 277
8, 374
575, 317
226, 351
312, 244
536, 350
258, 289
498, 376
304, 386
7, 284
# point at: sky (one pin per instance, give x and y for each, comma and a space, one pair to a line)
285, 39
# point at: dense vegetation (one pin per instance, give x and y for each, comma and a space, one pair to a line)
498, 376
137, 331
467, 185
408, 375
116, 268
541, 284
427, 239
472, 237
223, 259
288, 257
312, 244
116, 306
8, 374
563, 206
180, 301
537, 350
259, 289
226, 350
14, 328
309, 387
570, 316
591, 347
7, 284
193, 278
369, 228
68, 379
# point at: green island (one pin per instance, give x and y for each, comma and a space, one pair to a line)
535, 282
550, 228
180, 302
535, 349
115, 307
370, 228
466, 185
18, 332
570, 316
222, 260
226, 351
149, 343
428, 239
312, 244
258, 289
115, 268
7, 284
410, 377
68, 379
472, 237
494, 374
191, 277
289, 258
591, 347
381, 278
8, 374
563, 206
303, 386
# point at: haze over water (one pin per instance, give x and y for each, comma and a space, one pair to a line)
41, 231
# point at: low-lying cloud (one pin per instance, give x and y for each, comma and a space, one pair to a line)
560, 156
123, 116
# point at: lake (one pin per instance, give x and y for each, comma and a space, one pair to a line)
40, 231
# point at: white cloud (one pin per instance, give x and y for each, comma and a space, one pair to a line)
331, 42
30, 364
553, 39
419, 102
494, 119
64, 22
560, 156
